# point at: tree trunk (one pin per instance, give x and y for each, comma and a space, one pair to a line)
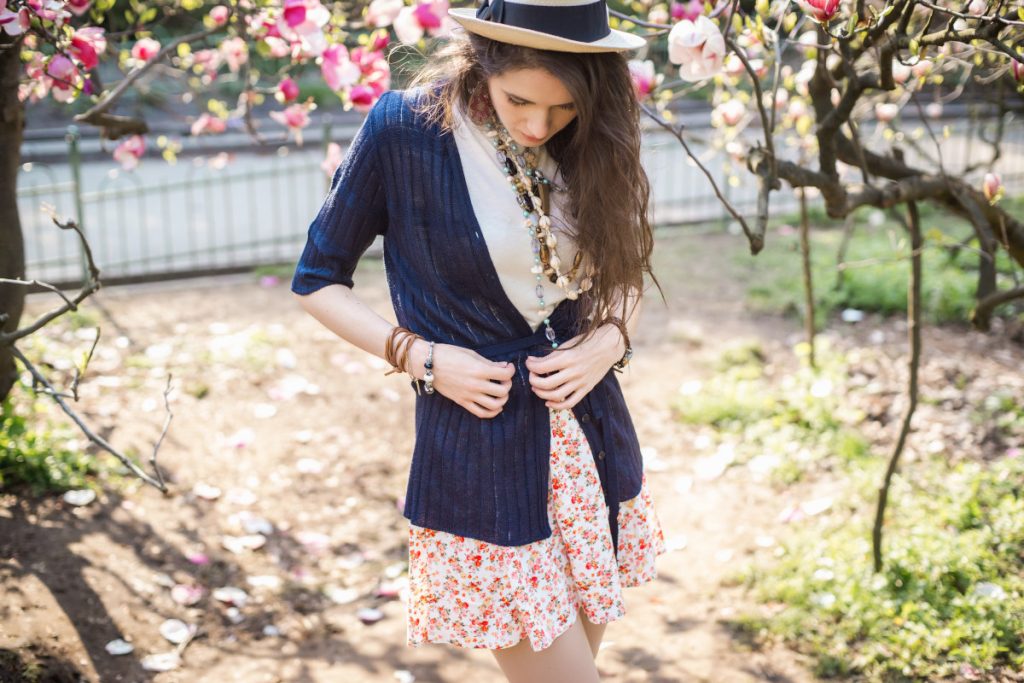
12, 244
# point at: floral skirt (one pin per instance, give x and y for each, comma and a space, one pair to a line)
474, 594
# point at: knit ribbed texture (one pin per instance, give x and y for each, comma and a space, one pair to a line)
485, 479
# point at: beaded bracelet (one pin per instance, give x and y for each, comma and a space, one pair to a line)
428, 376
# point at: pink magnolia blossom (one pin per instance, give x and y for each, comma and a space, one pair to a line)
219, 14
698, 47
288, 89
425, 17
733, 65
977, 7
886, 111
901, 72
208, 60
759, 67
145, 49
295, 117
642, 73
262, 24
797, 108
383, 12
363, 97
338, 70
278, 46
49, 10
993, 187
33, 91
87, 44
332, 160
658, 15
235, 52
1017, 68
63, 78
14, 23
379, 40
779, 99
38, 85
374, 68
207, 123
730, 112
689, 10
294, 12
921, 68
35, 69
933, 110
303, 21
407, 27
129, 151
79, 7
821, 10
379, 81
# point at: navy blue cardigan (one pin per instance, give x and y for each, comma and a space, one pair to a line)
482, 478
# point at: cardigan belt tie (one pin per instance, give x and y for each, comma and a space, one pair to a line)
594, 405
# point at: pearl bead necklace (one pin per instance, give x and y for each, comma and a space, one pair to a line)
532, 190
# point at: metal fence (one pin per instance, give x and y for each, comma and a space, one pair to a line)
222, 211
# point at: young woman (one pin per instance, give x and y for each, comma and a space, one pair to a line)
508, 187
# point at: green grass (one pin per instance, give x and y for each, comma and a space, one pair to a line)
39, 453
950, 600
42, 450
800, 418
951, 595
877, 273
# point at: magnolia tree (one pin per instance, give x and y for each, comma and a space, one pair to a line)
833, 97
95, 52
827, 96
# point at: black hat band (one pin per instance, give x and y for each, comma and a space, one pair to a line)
583, 23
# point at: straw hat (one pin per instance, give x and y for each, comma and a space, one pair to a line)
563, 25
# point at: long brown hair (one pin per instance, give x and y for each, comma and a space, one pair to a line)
598, 153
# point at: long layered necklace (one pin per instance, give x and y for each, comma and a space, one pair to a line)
533, 192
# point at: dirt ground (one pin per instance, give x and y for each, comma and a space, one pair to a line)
308, 443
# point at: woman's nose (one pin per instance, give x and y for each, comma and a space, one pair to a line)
537, 126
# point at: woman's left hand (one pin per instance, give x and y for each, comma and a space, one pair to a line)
574, 371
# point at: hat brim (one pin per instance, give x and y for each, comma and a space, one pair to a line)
613, 42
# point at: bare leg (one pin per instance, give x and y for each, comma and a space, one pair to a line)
594, 632
569, 658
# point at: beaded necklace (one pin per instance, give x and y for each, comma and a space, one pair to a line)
533, 192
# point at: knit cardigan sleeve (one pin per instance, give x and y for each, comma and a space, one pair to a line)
351, 216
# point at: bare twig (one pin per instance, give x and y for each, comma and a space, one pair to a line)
756, 242
914, 341
92, 436
92, 284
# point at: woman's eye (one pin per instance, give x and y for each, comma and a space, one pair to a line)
521, 103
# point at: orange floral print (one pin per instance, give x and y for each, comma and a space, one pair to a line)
475, 594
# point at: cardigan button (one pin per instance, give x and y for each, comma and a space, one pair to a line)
600, 455
585, 417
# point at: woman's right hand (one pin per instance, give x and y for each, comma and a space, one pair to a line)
478, 384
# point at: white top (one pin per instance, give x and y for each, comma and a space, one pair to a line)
501, 219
